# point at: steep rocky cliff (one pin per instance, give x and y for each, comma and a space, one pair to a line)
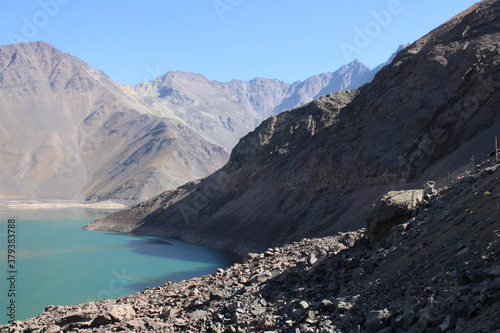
316, 169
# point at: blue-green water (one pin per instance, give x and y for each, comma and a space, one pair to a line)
58, 263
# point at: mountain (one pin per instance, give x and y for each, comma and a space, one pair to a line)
222, 112
316, 170
68, 131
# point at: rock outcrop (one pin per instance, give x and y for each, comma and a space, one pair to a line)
317, 169
392, 209
437, 272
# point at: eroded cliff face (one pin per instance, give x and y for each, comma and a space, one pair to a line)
315, 170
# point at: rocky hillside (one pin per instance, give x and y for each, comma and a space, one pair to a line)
69, 132
438, 271
316, 170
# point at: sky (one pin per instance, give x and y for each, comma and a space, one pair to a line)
134, 41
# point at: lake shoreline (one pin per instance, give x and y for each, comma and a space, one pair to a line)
51, 204
56, 262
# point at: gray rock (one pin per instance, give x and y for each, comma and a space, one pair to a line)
137, 324
343, 305
198, 315
386, 330
154, 325
120, 312
53, 329
377, 320
101, 319
304, 305
180, 322
312, 259
258, 310
326, 305
459, 307
493, 272
170, 313
297, 313
74, 318
217, 295
392, 210
496, 283
448, 323
474, 276
430, 317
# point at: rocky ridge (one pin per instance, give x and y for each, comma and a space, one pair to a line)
315, 170
437, 271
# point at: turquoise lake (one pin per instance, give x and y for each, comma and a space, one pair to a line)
59, 263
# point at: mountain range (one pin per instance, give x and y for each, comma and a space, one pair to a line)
317, 169
68, 131
371, 209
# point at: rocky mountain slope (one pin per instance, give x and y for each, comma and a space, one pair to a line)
316, 170
438, 271
69, 132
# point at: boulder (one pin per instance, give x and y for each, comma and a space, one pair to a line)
393, 208
75, 318
377, 320
121, 312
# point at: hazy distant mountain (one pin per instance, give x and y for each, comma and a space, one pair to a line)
350, 76
223, 112
69, 132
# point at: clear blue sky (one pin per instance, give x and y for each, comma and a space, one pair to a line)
134, 41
